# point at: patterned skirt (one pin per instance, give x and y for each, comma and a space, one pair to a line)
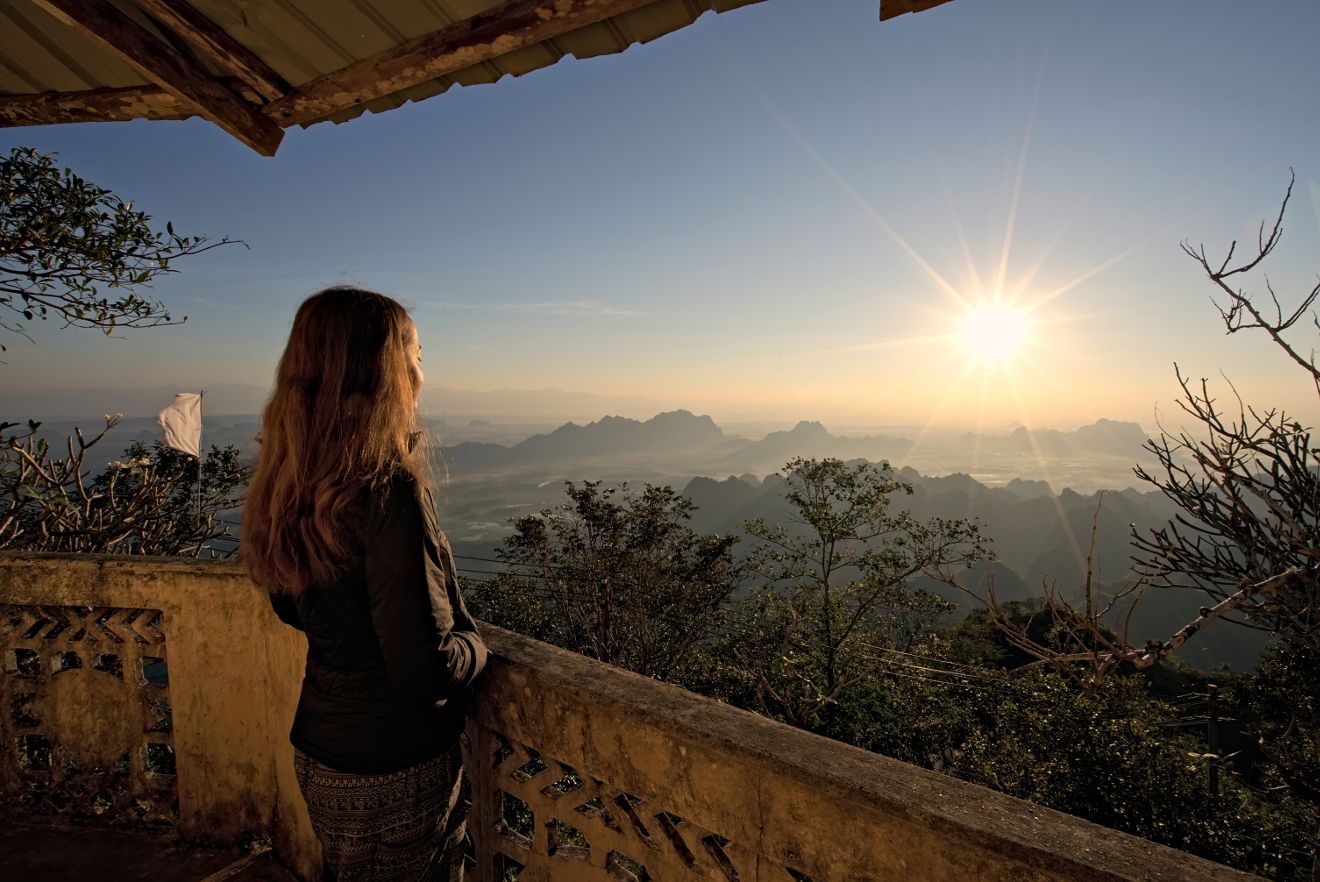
402, 826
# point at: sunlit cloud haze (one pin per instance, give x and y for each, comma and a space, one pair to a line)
787, 211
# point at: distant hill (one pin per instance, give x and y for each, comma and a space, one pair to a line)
1104, 436
678, 433
810, 438
614, 435
1036, 536
681, 443
547, 405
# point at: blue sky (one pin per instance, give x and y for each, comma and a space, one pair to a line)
747, 217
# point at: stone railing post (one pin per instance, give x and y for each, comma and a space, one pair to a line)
150, 692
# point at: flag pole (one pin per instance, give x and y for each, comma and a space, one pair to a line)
201, 396
182, 422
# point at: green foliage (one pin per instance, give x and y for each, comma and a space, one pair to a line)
1130, 752
148, 502
836, 587
1283, 700
75, 251
1115, 756
616, 576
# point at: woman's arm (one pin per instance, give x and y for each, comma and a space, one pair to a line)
287, 609
429, 642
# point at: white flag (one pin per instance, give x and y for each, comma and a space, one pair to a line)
182, 422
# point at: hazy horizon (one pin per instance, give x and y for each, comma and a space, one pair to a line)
966, 217
540, 406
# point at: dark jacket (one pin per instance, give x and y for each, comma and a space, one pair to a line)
391, 648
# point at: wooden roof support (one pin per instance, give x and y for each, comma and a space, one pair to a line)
513, 25
214, 42
894, 8
100, 21
94, 105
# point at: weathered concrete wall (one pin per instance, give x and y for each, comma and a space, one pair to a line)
685, 786
697, 772
234, 674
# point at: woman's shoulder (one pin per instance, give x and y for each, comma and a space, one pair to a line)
403, 496
395, 487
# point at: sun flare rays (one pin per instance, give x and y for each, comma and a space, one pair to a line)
994, 332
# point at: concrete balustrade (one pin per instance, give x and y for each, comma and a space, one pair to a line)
580, 771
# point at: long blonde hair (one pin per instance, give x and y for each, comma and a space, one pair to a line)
342, 418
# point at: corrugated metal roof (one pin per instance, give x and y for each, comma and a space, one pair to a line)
305, 39
38, 54
301, 41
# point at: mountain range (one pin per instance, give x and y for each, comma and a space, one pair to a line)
681, 437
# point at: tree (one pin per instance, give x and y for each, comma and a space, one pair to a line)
153, 501
837, 589
75, 251
616, 576
1117, 756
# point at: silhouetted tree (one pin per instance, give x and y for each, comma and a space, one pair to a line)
836, 584
152, 501
616, 576
77, 252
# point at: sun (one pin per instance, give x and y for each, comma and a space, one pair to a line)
993, 333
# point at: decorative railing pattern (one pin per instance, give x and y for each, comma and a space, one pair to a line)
557, 822
88, 732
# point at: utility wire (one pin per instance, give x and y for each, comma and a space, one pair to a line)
724, 629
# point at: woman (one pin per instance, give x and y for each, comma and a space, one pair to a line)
340, 529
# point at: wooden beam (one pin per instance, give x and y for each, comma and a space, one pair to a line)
894, 8
510, 26
101, 22
214, 42
94, 105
